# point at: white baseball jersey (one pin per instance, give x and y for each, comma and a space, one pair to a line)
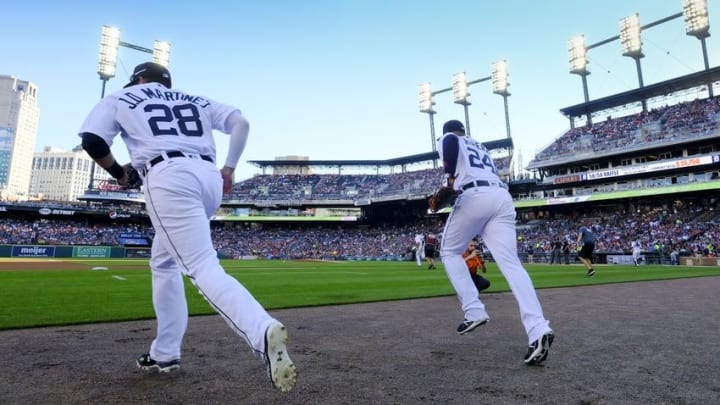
473, 161
181, 194
153, 119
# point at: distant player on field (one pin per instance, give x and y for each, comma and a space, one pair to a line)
586, 239
431, 244
419, 249
636, 252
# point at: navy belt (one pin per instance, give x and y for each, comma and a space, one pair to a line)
483, 183
174, 154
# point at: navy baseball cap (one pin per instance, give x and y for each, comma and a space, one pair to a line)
151, 71
452, 126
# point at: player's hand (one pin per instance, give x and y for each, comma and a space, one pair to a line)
228, 174
124, 180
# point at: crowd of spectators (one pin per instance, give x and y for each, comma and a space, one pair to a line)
684, 228
66, 232
691, 229
352, 187
672, 123
317, 241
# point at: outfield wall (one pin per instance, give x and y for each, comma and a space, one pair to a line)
85, 252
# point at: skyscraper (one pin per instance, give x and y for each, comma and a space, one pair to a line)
19, 115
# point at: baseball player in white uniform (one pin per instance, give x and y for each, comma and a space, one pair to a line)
485, 208
419, 248
168, 134
636, 252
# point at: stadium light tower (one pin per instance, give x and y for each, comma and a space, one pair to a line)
107, 63
500, 84
161, 53
697, 24
460, 96
425, 104
632, 44
577, 55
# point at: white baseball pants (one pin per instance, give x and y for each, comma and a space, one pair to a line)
489, 212
181, 194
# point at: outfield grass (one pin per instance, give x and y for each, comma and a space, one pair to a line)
34, 298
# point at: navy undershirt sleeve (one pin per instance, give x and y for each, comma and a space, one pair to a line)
94, 145
450, 154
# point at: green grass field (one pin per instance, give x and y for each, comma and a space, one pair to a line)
34, 298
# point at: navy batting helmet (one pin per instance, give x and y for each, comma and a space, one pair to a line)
452, 126
153, 72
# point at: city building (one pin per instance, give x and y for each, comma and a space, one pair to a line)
61, 175
19, 116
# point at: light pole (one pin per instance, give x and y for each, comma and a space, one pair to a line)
460, 96
632, 45
697, 24
107, 63
500, 85
577, 54
425, 104
460, 92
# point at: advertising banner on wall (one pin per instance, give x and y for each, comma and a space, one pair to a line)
33, 251
137, 253
91, 251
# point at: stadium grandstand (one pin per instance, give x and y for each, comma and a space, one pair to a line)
642, 165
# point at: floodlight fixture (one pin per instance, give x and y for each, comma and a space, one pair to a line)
460, 88
499, 76
630, 36
425, 102
161, 53
109, 44
577, 55
697, 23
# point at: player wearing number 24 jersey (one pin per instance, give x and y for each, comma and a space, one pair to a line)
484, 207
168, 134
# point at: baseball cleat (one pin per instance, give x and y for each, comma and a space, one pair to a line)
539, 349
468, 326
281, 370
146, 363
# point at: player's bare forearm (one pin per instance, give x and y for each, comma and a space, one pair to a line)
450, 182
228, 174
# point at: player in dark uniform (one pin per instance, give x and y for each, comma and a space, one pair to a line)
431, 243
587, 238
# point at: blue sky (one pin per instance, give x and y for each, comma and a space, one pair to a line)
338, 79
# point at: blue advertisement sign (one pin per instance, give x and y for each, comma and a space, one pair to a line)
33, 251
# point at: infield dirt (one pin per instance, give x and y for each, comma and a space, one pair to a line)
636, 343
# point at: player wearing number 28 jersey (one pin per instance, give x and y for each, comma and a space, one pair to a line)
484, 207
168, 134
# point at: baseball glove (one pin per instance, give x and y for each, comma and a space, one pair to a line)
441, 198
134, 179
